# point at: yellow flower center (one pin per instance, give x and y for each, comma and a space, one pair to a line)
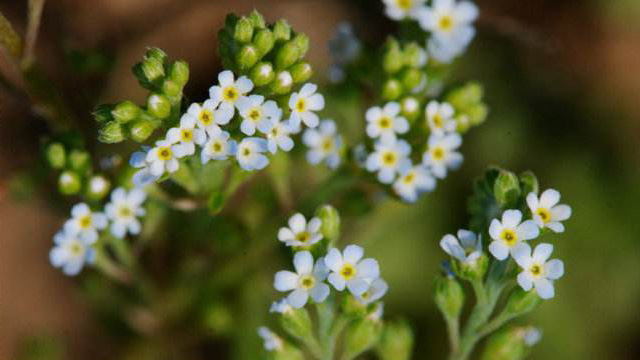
75, 249
307, 281
404, 4
327, 144
544, 214
438, 153
365, 295
230, 93
275, 131
509, 236
384, 122
255, 114
186, 135
301, 105
164, 153
389, 158
125, 211
409, 178
437, 120
216, 147
536, 270
348, 271
85, 221
205, 117
445, 23
303, 236
246, 151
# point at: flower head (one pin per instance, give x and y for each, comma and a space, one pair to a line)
386, 121
537, 270
299, 232
186, 136
84, 223
124, 210
229, 91
509, 232
350, 270
250, 153
442, 155
376, 290
414, 181
303, 106
547, 212
467, 247
324, 143
306, 281
71, 253
209, 114
401, 9
218, 146
279, 137
272, 342
439, 117
257, 114
163, 157
391, 156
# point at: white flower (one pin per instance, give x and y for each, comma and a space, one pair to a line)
391, 156
229, 91
444, 52
439, 117
386, 122
124, 210
303, 106
414, 181
536, 270
139, 160
255, 114
299, 232
306, 281
324, 143
278, 137
186, 136
347, 269
250, 153
509, 233
71, 253
467, 247
546, 212
441, 154
400, 9
163, 158
272, 342
281, 307
208, 115
532, 336
85, 223
377, 289
218, 146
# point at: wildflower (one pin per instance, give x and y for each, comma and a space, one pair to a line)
305, 282
450, 24
85, 223
250, 153
229, 91
377, 289
257, 114
218, 146
303, 106
272, 342
414, 181
441, 154
71, 253
389, 158
278, 137
186, 136
439, 117
386, 122
299, 232
209, 114
536, 270
124, 210
546, 212
467, 247
281, 307
163, 157
400, 9
324, 143
509, 233
347, 269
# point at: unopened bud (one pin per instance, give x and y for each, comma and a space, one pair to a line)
281, 30
330, 228
474, 270
262, 74
56, 155
465, 96
529, 183
141, 129
449, 296
102, 113
507, 189
179, 72
125, 112
156, 54
396, 342
282, 83
153, 69
392, 89
361, 336
98, 187
243, 31
263, 41
477, 113
111, 133
297, 323
287, 55
171, 88
412, 78
521, 302
508, 344
414, 55
392, 60
410, 108
301, 72
302, 42
247, 57
69, 183
79, 160
159, 106
257, 20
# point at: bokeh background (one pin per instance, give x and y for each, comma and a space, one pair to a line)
562, 80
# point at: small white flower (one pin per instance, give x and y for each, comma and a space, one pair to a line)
303, 106
347, 269
208, 115
272, 342
278, 137
509, 233
163, 157
250, 153
186, 136
386, 122
442, 155
85, 223
98, 185
532, 336
375, 292
536, 270
414, 181
391, 157
299, 232
71, 253
306, 281
439, 117
257, 114
281, 307
546, 212
218, 146
229, 91
467, 247
324, 143
401, 9
124, 210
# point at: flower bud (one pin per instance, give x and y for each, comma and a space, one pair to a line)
171, 88
263, 41
281, 30
302, 42
56, 155
247, 57
474, 270
159, 106
125, 112
282, 83
156, 54
69, 183
287, 55
507, 189
410, 108
79, 160
508, 344
392, 60
463, 123
141, 129
330, 228
414, 55
528, 183
392, 89
243, 31
262, 74
257, 20
465, 96
477, 113
301, 72
396, 342
179, 72
361, 336
102, 113
111, 133
449, 296
97, 187
153, 69
521, 302
352, 308
297, 323
411, 78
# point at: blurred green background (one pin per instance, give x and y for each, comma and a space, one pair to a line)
562, 80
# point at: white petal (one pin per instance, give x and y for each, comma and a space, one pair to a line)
352, 254
310, 119
333, 259
320, 292
244, 85
314, 225
561, 212
522, 255
554, 269
555, 226
225, 78
118, 229
357, 286
337, 281
525, 281
308, 89
542, 252
80, 209
368, 269
450, 245
544, 288
297, 223
467, 238
303, 262
549, 198
528, 230
285, 280
498, 250
511, 218
285, 234
298, 298
532, 201
495, 229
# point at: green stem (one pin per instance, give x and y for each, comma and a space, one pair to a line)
453, 329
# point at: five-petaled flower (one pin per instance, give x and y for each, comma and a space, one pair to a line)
306, 281
509, 232
209, 114
303, 106
547, 212
84, 223
186, 136
386, 121
124, 210
250, 153
163, 157
376, 290
279, 137
71, 253
218, 146
391, 157
272, 342
299, 232
414, 181
324, 143
256, 113
439, 117
537, 270
350, 270
467, 247
229, 91
442, 155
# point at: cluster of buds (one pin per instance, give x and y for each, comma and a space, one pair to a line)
405, 69
165, 80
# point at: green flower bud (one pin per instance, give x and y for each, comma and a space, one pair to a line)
330, 228
257, 20
159, 106
508, 344
521, 302
465, 96
218, 319
56, 155
392, 89
463, 123
171, 88
474, 270
281, 30
97, 187
297, 323
125, 112
414, 55
156, 54
79, 160
262, 74
282, 83
410, 108
153, 69
477, 114
111, 133
102, 113
179, 72
263, 41
352, 308
411, 78
243, 31
302, 42
361, 336
301, 72
507, 189
287, 55
247, 57
529, 183
392, 60
69, 183
396, 342
141, 129
449, 296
